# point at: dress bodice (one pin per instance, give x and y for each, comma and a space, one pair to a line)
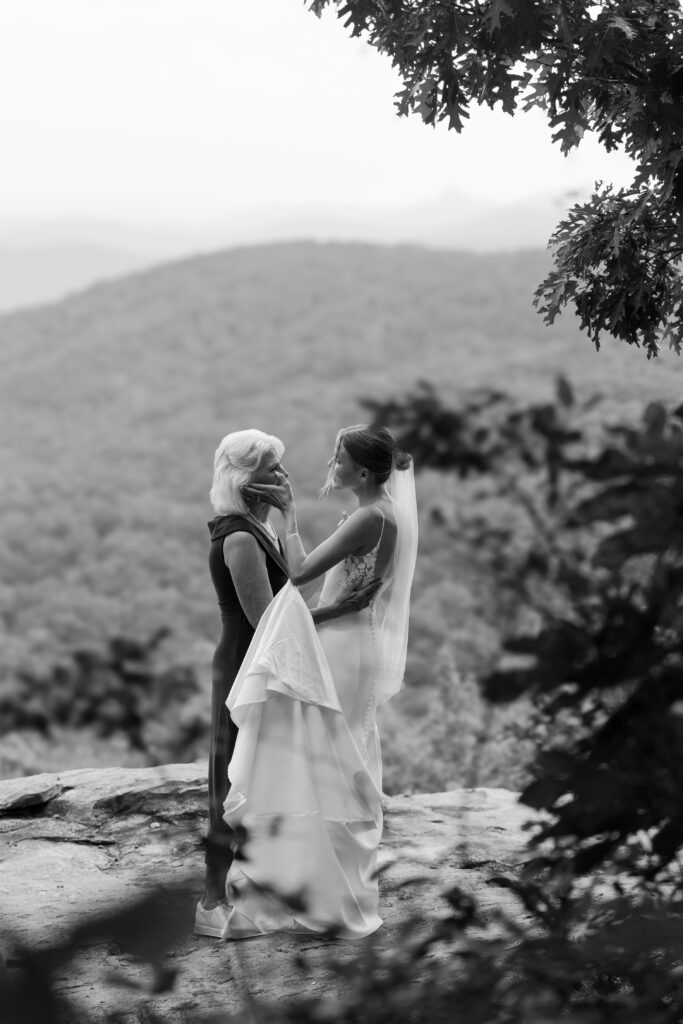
358, 570
353, 572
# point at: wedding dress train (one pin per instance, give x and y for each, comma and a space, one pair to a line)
306, 776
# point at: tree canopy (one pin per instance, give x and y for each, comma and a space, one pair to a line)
603, 654
615, 68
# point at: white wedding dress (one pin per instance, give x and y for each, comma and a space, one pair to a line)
306, 772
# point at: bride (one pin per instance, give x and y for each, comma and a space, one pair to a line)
306, 771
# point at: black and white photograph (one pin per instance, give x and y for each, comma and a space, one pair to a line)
341, 516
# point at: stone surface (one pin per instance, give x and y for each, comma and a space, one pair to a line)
81, 843
33, 791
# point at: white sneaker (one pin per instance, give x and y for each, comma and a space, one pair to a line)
211, 922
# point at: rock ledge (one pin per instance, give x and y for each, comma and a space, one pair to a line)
77, 844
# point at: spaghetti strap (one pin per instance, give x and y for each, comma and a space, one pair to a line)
381, 532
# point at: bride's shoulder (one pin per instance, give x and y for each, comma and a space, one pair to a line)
370, 520
367, 514
384, 511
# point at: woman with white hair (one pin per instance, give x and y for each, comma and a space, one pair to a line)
247, 569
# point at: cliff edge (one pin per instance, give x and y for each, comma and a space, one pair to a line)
77, 845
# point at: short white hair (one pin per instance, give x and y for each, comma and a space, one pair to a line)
237, 457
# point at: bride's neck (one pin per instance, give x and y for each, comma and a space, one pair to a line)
369, 497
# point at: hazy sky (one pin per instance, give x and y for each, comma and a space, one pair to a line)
178, 110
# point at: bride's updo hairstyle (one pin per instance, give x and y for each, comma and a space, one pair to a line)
237, 457
372, 448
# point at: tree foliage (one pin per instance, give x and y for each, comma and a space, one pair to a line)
120, 690
613, 67
612, 664
603, 660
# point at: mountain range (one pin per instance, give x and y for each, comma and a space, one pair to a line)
112, 402
43, 261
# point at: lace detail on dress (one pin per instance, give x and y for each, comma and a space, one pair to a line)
357, 570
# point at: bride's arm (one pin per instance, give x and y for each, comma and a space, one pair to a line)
359, 531
353, 602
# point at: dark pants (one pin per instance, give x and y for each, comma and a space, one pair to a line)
219, 853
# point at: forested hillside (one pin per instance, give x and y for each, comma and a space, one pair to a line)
113, 401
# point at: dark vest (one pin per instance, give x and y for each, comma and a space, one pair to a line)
222, 527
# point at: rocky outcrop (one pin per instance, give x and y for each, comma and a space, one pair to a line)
81, 843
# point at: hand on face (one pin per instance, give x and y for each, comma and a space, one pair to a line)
279, 494
269, 484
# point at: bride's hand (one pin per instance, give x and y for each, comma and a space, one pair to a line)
278, 495
354, 601
358, 599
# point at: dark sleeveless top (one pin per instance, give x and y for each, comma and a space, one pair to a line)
237, 630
